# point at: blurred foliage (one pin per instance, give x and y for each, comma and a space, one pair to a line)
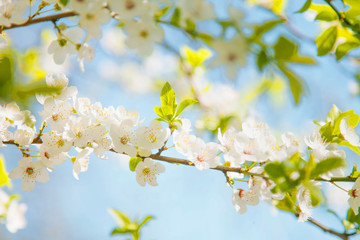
126, 226
21, 77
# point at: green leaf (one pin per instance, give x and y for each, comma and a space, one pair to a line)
296, 83
305, 6
301, 59
190, 25
122, 231
262, 60
333, 113
64, 2
146, 219
184, 104
4, 179
352, 147
352, 119
120, 217
315, 194
326, 40
159, 112
344, 48
175, 18
274, 170
351, 217
133, 162
287, 203
168, 100
327, 165
259, 31
162, 12
284, 48
326, 132
326, 15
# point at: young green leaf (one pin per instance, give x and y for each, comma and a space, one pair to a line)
146, 219
284, 48
327, 165
326, 40
120, 217
344, 48
305, 6
184, 104
133, 162
333, 113
297, 85
326, 15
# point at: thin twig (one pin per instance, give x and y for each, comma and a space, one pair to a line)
49, 18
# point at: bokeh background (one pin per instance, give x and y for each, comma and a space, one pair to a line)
188, 203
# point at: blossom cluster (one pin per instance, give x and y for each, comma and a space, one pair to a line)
75, 122
71, 121
142, 21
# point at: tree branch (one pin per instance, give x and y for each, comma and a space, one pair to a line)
342, 18
344, 236
223, 169
49, 18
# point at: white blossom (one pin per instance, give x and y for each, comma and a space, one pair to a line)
142, 35
354, 200
349, 133
204, 156
241, 198
81, 162
15, 218
153, 136
147, 170
24, 136
30, 172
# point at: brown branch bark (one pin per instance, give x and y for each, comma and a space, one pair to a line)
344, 236
49, 18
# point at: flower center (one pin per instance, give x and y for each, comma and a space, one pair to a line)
124, 140
144, 33
60, 142
146, 171
129, 4
55, 117
241, 193
29, 171
355, 193
232, 57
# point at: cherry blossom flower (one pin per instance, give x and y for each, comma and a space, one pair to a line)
153, 136
354, 200
123, 138
231, 53
142, 35
81, 162
24, 136
15, 218
56, 142
56, 113
241, 198
317, 144
204, 156
65, 45
349, 133
30, 171
128, 9
147, 170
12, 11
197, 10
